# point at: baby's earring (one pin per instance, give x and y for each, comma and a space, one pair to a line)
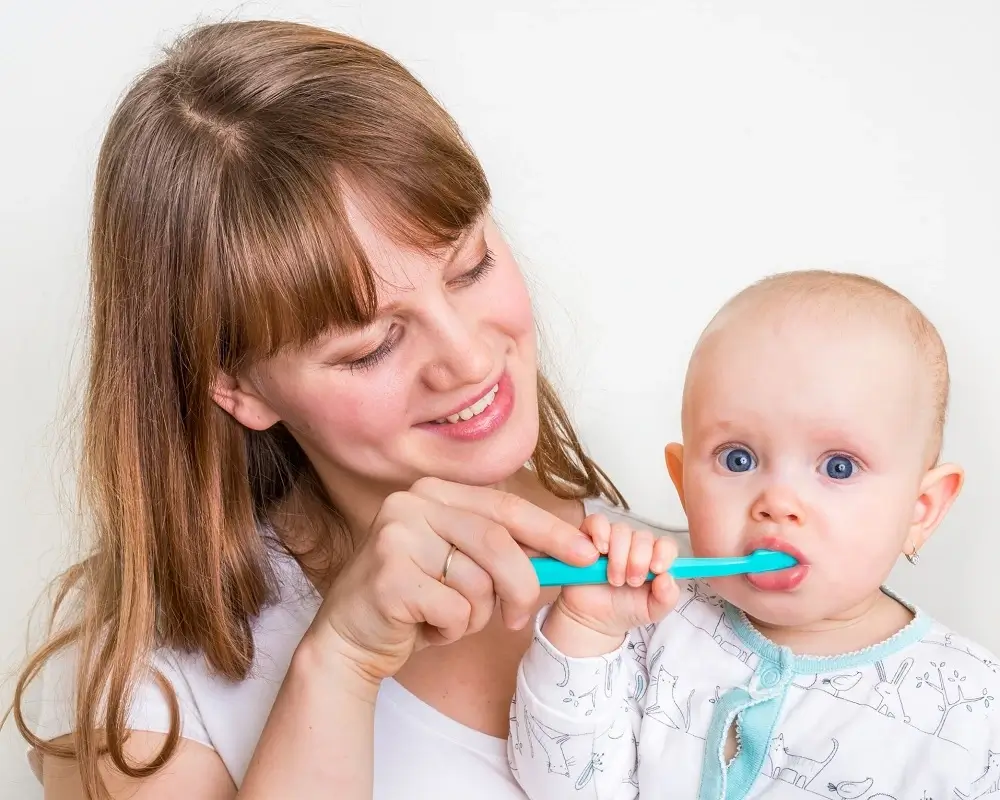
913, 557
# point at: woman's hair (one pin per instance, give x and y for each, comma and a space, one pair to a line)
219, 237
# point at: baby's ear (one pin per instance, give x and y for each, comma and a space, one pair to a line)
674, 455
938, 490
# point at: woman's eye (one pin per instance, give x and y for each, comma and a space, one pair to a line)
839, 467
737, 459
478, 272
376, 356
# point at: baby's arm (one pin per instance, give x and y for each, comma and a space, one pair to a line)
574, 725
575, 717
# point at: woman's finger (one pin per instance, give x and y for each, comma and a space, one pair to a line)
528, 524
439, 606
470, 580
486, 543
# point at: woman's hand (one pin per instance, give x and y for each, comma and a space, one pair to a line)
397, 596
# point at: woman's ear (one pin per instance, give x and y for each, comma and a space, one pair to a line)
938, 490
238, 399
674, 454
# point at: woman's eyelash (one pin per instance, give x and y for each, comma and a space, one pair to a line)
380, 353
375, 357
481, 270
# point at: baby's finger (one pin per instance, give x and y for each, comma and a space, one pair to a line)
597, 527
639, 557
664, 553
618, 550
662, 597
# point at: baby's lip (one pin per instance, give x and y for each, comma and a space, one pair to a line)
778, 544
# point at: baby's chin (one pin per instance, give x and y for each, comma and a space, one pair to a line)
784, 609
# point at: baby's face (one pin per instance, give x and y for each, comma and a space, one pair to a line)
806, 435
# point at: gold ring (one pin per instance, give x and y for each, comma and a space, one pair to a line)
447, 563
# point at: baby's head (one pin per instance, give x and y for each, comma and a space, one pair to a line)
812, 421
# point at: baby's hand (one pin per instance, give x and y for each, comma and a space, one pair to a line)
595, 618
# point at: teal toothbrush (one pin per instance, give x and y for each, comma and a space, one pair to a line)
552, 572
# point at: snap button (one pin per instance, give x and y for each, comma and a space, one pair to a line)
769, 678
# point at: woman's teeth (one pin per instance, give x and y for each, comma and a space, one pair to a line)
474, 410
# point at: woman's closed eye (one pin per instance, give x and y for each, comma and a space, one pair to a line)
373, 358
477, 273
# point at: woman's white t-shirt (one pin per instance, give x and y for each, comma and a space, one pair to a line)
420, 753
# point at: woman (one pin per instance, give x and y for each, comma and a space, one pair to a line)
313, 392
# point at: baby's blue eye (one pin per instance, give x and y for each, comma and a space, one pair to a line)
839, 467
737, 459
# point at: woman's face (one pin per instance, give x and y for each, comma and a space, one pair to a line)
442, 383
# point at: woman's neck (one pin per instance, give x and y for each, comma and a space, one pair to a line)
873, 621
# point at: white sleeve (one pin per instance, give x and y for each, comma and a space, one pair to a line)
574, 725
51, 712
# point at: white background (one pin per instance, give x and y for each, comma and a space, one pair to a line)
646, 164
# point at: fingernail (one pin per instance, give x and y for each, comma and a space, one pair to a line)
520, 622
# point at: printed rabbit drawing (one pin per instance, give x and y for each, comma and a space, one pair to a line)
890, 703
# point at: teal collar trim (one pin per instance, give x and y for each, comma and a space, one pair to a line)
912, 633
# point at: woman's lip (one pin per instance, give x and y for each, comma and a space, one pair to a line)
482, 425
467, 404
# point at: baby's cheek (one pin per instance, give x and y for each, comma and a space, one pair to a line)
718, 514
714, 532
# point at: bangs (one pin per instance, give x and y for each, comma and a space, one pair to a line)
292, 265
288, 266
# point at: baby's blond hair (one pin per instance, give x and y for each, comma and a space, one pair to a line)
846, 292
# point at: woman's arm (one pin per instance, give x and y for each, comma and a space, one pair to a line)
323, 723
195, 773
320, 734
391, 599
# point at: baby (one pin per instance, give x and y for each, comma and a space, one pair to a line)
812, 422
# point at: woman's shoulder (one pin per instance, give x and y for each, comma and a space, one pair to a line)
679, 533
220, 713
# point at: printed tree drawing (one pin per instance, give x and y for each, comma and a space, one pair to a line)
950, 700
697, 596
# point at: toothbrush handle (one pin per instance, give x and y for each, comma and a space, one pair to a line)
552, 572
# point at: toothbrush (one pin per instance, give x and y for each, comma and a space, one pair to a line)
552, 572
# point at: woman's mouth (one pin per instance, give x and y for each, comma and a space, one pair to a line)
480, 416
471, 411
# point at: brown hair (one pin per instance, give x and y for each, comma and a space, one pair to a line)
219, 236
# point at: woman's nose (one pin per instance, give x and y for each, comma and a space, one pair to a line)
461, 354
